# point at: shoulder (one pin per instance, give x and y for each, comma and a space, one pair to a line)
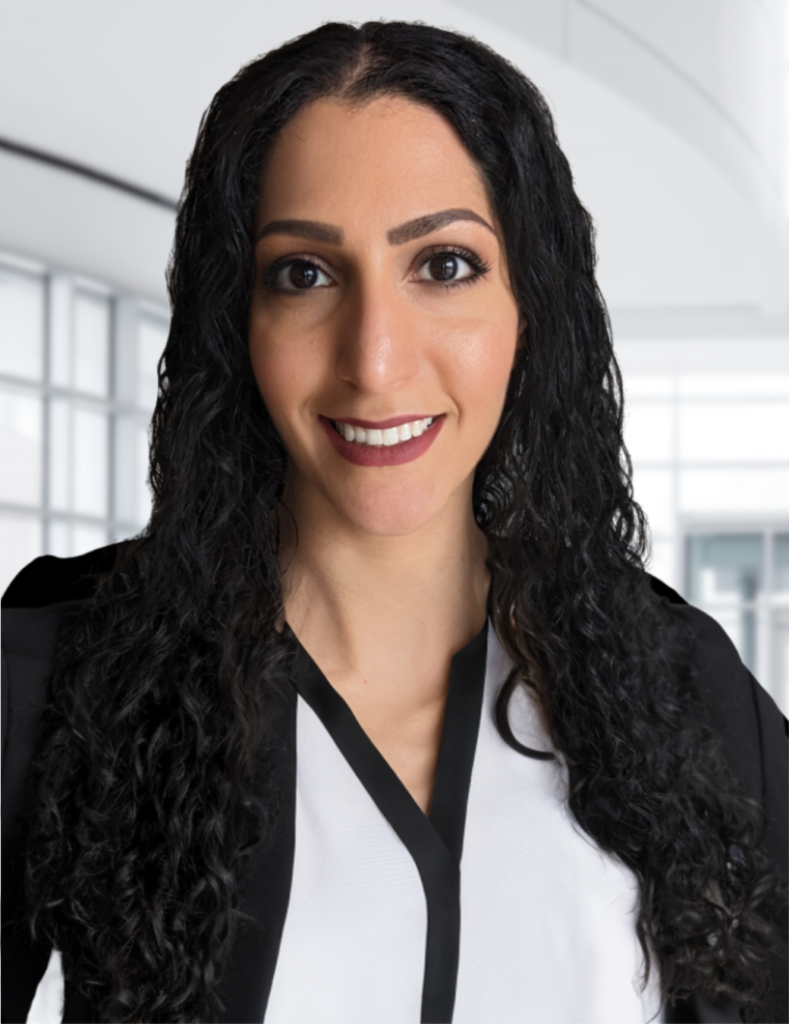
49, 580
33, 607
32, 610
752, 730
737, 706
727, 687
724, 683
35, 599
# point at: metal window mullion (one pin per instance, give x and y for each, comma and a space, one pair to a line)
126, 324
680, 542
112, 341
34, 512
45, 416
57, 391
769, 547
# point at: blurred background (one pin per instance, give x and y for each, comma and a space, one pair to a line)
675, 118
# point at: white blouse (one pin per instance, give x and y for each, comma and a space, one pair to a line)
496, 908
545, 919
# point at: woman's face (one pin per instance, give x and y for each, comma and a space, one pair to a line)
383, 328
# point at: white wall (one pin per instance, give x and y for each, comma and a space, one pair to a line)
710, 71
72, 222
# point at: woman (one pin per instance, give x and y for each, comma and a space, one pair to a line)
381, 718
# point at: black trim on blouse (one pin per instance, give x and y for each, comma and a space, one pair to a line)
434, 842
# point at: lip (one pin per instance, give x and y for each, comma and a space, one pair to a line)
393, 421
394, 455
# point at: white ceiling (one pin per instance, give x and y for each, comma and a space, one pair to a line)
121, 87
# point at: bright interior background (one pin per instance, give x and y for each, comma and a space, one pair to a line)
674, 117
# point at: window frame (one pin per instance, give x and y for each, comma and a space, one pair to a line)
60, 287
765, 604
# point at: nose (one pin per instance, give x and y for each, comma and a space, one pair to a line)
378, 346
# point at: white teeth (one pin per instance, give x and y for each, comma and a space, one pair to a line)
386, 438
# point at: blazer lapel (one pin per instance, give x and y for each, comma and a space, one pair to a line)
265, 893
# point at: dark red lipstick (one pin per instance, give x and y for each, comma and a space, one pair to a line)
372, 455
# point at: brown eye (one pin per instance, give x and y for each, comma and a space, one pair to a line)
449, 268
302, 275
443, 268
298, 276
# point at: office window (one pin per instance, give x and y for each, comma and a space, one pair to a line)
741, 578
77, 389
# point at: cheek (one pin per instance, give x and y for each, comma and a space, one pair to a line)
481, 364
281, 369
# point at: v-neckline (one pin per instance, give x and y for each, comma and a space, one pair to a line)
435, 840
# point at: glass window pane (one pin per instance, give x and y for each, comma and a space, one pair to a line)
90, 462
60, 292
86, 537
58, 540
725, 568
21, 324
649, 432
780, 687
144, 497
125, 471
646, 385
20, 543
91, 343
151, 339
20, 448
654, 490
662, 561
130, 492
738, 385
781, 563
733, 431
68, 538
755, 491
60, 454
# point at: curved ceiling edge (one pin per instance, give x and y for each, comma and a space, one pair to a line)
92, 174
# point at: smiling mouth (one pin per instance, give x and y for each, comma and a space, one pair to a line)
384, 438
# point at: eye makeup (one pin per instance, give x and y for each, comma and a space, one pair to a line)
479, 266
313, 268
308, 263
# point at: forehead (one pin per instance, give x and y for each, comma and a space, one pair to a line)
385, 160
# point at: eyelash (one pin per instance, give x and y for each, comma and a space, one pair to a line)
479, 266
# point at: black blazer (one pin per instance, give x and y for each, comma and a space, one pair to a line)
753, 730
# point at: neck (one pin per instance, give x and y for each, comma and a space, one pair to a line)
349, 593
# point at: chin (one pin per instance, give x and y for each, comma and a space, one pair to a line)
393, 511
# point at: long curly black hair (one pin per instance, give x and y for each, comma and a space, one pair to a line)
169, 682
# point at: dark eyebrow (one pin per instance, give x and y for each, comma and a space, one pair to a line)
432, 222
315, 230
